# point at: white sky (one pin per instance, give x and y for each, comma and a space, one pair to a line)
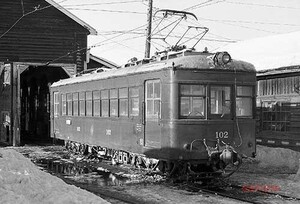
227, 20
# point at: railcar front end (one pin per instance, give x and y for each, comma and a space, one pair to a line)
212, 114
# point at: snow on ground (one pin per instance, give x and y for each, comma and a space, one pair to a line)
22, 182
275, 167
273, 160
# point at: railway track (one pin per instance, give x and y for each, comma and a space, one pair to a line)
220, 188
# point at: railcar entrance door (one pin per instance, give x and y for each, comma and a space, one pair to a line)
152, 113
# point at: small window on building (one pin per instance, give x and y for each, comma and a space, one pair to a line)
123, 100
75, 104
64, 104
56, 104
134, 101
104, 103
82, 103
244, 101
113, 102
96, 103
69, 104
89, 103
192, 100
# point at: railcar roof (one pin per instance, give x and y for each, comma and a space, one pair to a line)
199, 61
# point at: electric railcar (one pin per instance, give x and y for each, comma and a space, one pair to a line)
186, 107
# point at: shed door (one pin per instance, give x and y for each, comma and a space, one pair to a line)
153, 113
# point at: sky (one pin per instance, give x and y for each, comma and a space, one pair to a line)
121, 24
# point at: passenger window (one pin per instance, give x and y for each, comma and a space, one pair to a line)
64, 104
56, 103
89, 103
244, 101
134, 101
69, 104
82, 104
96, 103
123, 100
113, 102
220, 101
75, 104
104, 103
192, 100
153, 99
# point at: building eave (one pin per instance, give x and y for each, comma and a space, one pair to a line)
72, 16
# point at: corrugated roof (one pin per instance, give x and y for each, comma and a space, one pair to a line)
72, 16
268, 52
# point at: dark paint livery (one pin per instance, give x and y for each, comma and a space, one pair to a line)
181, 100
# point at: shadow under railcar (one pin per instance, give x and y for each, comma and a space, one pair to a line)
35, 102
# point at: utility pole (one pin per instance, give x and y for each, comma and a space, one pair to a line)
148, 33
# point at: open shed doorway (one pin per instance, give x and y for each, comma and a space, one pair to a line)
35, 82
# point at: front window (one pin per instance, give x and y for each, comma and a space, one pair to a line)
192, 100
220, 101
244, 102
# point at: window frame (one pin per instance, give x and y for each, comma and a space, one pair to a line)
63, 104
219, 115
75, 107
89, 103
56, 111
96, 100
114, 102
82, 101
123, 97
251, 97
133, 94
104, 98
190, 97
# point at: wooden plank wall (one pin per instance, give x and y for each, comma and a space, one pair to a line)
42, 36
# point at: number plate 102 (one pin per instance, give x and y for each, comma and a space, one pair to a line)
222, 135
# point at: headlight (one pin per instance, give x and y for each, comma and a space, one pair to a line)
222, 58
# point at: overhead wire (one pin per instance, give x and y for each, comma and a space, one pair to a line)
262, 5
98, 4
107, 10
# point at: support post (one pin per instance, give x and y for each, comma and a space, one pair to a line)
148, 33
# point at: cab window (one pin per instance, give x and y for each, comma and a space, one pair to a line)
244, 101
220, 101
192, 101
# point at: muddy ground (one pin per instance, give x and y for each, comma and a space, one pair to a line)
126, 185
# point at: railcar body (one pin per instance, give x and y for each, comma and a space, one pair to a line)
186, 106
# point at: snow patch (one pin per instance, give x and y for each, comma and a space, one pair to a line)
273, 160
22, 182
